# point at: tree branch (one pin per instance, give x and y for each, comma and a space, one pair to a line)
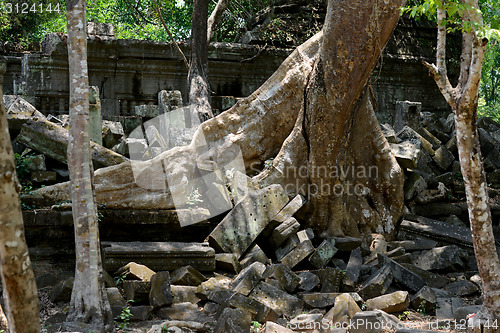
215, 17
170, 35
442, 82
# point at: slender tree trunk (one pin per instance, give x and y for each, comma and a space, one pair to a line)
199, 88
463, 100
19, 286
215, 17
89, 307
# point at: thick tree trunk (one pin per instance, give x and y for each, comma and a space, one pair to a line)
199, 88
215, 17
315, 119
89, 307
19, 286
463, 100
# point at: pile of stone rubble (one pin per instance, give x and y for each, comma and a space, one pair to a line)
277, 275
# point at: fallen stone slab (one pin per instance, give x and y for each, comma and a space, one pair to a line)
390, 303
353, 267
443, 158
347, 244
192, 326
61, 292
438, 230
286, 247
136, 290
308, 281
278, 300
305, 322
255, 254
291, 208
418, 244
288, 227
160, 293
414, 185
323, 254
183, 312
377, 284
330, 279
424, 300
135, 271
401, 274
19, 111
441, 258
373, 322
284, 277
343, 311
159, 256
407, 154
318, 299
446, 306
431, 279
275, 328
462, 288
460, 314
227, 262
408, 134
187, 276
234, 320
248, 278
248, 219
181, 294
52, 140
259, 311
217, 283
140, 312
299, 253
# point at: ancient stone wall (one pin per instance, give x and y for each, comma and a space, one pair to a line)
132, 72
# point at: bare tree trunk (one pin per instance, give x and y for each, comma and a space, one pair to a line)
215, 17
89, 307
463, 100
19, 286
199, 88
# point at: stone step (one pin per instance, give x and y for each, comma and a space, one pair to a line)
159, 256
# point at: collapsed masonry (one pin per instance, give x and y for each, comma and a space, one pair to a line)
273, 270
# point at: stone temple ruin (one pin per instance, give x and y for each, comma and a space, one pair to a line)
254, 263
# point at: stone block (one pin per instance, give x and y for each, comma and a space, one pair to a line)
181, 294
37, 163
259, 311
318, 300
418, 244
284, 230
408, 134
353, 267
460, 314
255, 254
323, 254
46, 280
216, 283
407, 154
115, 298
234, 321
137, 291
401, 274
62, 291
248, 219
187, 276
446, 306
305, 322
443, 158
441, 258
135, 271
285, 278
407, 113
390, 303
141, 312
462, 288
389, 133
414, 185
347, 244
43, 177
375, 321
424, 300
19, 111
275, 328
276, 299
330, 279
227, 262
344, 309
248, 278
184, 312
308, 281
160, 256
286, 247
431, 279
378, 283
291, 208
160, 293
147, 111
299, 253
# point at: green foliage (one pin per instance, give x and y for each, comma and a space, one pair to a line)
489, 101
124, 318
255, 327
